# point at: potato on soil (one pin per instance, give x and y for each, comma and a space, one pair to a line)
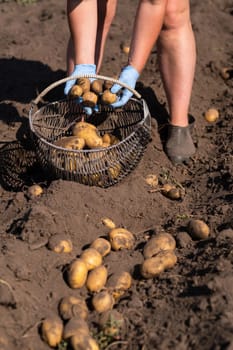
211, 115
112, 323
154, 266
60, 244
152, 180
226, 72
97, 86
125, 48
89, 99
108, 97
120, 238
198, 229
158, 243
84, 83
97, 278
92, 258
75, 326
102, 301
102, 245
75, 91
51, 330
108, 223
170, 191
89, 133
71, 142
35, 190
77, 274
118, 283
72, 306
83, 342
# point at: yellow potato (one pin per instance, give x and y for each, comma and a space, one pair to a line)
152, 180
108, 223
152, 267
108, 84
114, 171
102, 301
83, 342
158, 243
198, 229
125, 48
77, 273
60, 244
112, 323
108, 97
75, 326
89, 133
211, 115
97, 86
226, 72
75, 91
84, 83
71, 142
102, 245
89, 99
118, 283
92, 258
72, 306
35, 190
97, 278
120, 238
51, 330
110, 139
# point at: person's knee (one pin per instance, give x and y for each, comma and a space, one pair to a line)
177, 14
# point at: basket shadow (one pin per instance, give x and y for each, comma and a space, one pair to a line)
23, 80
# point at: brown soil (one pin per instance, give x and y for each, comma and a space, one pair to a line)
187, 307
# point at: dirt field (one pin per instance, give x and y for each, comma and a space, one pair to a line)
187, 307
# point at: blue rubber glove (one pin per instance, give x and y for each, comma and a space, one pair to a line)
81, 69
129, 75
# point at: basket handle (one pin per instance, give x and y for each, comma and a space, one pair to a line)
95, 76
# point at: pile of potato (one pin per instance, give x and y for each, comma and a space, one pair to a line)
93, 92
86, 136
89, 271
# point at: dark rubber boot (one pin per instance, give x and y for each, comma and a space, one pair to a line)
179, 146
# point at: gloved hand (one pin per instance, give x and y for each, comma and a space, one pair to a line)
129, 75
81, 69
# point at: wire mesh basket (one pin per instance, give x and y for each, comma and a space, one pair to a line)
101, 167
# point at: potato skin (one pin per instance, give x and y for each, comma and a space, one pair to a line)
89, 99
97, 86
102, 245
60, 244
75, 91
97, 279
71, 306
89, 133
119, 283
152, 267
108, 97
120, 238
198, 229
51, 330
77, 274
75, 326
102, 301
92, 258
84, 83
83, 342
71, 142
160, 242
